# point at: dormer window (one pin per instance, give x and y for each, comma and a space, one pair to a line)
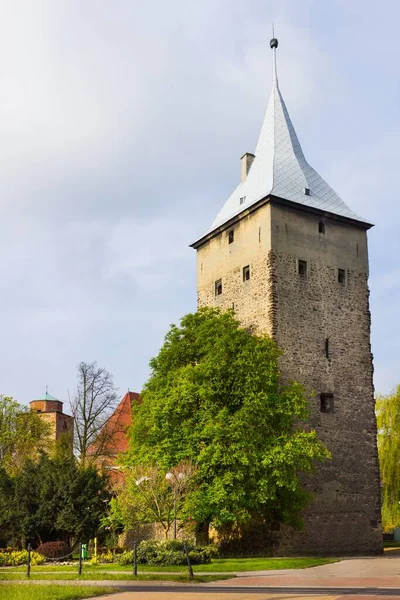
242, 199
307, 191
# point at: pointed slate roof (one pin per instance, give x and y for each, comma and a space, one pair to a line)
280, 169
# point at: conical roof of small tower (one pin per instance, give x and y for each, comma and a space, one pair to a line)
46, 396
280, 169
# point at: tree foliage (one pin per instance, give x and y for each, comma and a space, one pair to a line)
52, 499
22, 434
388, 421
215, 398
91, 406
153, 495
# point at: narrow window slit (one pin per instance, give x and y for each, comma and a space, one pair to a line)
327, 404
302, 268
327, 354
218, 287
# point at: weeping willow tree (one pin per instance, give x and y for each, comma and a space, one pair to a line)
388, 418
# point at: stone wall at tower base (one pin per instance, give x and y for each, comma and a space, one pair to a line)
331, 535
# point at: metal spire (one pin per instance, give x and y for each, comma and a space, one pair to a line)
274, 44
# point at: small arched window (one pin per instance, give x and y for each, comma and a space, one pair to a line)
321, 227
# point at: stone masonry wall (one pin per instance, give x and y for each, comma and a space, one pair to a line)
251, 300
345, 515
59, 424
302, 313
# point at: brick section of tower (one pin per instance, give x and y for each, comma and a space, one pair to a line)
51, 411
301, 314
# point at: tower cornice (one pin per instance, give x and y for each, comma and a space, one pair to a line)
271, 199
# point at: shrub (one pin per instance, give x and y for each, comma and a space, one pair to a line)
212, 551
54, 550
113, 549
126, 558
164, 554
16, 558
103, 557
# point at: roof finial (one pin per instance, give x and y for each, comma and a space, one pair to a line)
47, 389
274, 44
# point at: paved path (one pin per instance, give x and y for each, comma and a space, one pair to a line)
351, 579
375, 572
359, 578
231, 596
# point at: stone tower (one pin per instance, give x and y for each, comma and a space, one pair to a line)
288, 255
51, 411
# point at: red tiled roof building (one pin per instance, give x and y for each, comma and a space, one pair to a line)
113, 438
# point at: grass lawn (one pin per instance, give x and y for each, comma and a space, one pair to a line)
110, 575
391, 544
115, 571
51, 592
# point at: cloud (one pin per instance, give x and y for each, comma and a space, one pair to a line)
121, 129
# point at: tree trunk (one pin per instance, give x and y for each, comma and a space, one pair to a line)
202, 534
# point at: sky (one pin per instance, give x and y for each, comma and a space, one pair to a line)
121, 128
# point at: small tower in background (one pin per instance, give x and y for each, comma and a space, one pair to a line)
51, 410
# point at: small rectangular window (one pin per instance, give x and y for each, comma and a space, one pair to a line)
242, 199
218, 287
327, 403
321, 227
327, 352
341, 276
231, 236
246, 273
303, 268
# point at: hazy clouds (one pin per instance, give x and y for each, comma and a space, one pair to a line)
121, 128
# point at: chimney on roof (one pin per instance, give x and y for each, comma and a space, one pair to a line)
246, 161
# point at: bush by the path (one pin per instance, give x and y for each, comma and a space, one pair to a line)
17, 558
54, 550
165, 553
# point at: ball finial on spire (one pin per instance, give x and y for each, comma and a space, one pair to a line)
273, 43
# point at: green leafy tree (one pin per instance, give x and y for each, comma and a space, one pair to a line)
22, 434
54, 498
73, 499
388, 421
153, 495
6, 506
215, 398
